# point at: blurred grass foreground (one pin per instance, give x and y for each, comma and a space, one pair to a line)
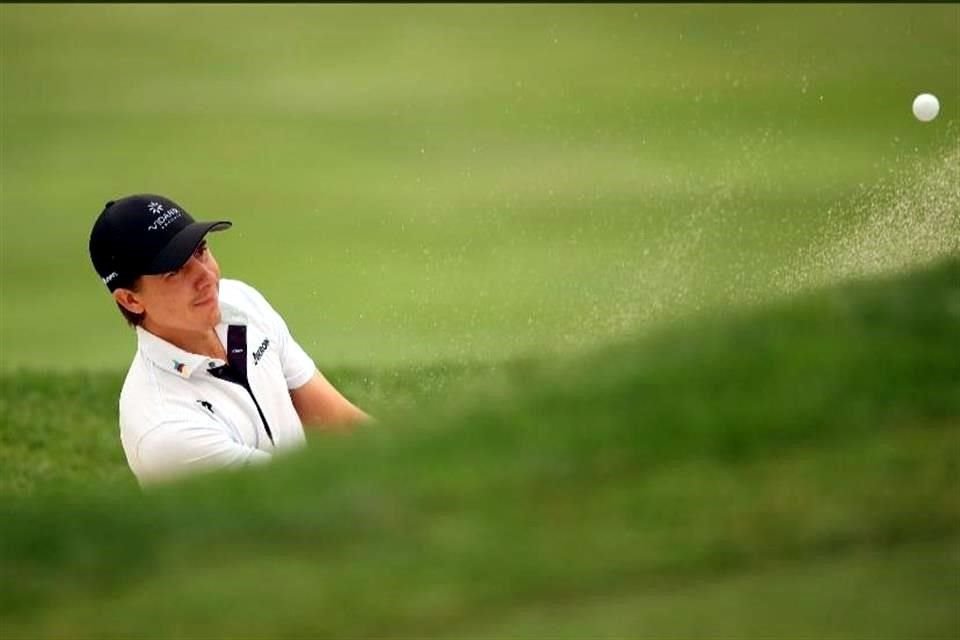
788, 473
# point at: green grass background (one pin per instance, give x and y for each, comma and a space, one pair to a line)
417, 182
588, 264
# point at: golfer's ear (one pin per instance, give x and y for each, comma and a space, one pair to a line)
129, 300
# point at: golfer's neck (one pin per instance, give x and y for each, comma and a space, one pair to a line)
205, 343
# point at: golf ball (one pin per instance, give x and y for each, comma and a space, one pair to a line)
926, 107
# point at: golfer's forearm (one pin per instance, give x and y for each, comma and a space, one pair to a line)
341, 419
321, 406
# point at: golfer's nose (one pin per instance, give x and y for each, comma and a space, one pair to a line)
198, 269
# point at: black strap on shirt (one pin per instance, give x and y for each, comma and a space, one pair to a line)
236, 368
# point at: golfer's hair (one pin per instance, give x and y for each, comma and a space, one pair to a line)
133, 319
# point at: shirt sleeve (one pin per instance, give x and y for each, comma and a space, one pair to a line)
176, 448
298, 366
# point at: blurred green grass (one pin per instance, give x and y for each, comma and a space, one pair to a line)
730, 470
440, 182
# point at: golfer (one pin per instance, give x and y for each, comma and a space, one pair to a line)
217, 380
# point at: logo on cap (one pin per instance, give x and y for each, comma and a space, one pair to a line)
163, 219
155, 208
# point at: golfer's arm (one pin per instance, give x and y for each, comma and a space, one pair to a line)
177, 447
321, 406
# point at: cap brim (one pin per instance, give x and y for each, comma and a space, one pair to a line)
181, 246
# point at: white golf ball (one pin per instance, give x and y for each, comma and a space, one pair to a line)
926, 107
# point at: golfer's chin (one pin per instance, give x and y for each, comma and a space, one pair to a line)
209, 311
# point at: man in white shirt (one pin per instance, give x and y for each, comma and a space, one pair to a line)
217, 380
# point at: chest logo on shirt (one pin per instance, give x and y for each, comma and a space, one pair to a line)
260, 351
206, 405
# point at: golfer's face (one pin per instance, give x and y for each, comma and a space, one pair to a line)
186, 299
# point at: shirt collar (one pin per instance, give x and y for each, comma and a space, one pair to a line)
170, 357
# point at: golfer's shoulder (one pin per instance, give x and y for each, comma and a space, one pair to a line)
242, 295
246, 300
145, 394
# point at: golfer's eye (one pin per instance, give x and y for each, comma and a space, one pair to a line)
201, 250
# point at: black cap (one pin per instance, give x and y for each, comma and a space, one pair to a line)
142, 235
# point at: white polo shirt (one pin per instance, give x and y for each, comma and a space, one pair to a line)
177, 416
